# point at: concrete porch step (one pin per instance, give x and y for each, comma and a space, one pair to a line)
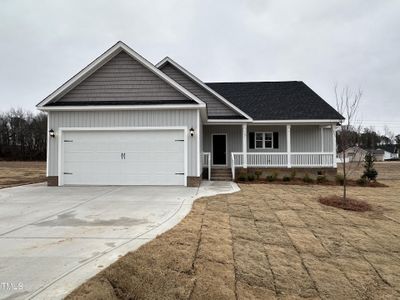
221, 171
221, 174
221, 178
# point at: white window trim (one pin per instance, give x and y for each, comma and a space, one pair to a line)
263, 139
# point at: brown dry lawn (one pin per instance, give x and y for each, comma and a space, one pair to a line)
267, 242
14, 173
386, 170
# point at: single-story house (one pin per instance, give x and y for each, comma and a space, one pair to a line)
124, 121
382, 155
390, 155
357, 154
352, 154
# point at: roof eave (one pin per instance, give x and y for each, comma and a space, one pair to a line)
119, 107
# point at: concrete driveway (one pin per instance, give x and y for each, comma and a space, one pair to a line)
53, 239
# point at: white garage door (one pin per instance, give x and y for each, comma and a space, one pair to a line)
123, 157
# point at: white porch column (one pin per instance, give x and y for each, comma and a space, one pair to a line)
322, 138
334, 145
288, 146
244, 145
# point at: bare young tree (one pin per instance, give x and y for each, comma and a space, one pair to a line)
347, 104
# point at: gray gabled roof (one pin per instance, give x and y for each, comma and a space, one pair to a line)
284, 100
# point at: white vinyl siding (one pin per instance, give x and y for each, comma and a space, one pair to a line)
233, 138
126, 118
328, 142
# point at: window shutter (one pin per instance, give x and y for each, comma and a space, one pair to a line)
251, 140
276, 140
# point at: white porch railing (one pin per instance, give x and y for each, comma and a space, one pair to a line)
207, 163
313, 159
280, 160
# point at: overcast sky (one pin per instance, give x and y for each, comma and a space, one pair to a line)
349, 42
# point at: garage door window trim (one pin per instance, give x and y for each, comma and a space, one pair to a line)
61, 130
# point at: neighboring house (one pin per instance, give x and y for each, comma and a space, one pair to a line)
382, 155
390, 152
379, 154
352, 154
125, 121
390, 155
357, 154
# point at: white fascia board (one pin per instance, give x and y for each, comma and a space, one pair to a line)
294, 121
198, 81
225, 122
270, 122
239, 121
105, 57
120, 107
125, 128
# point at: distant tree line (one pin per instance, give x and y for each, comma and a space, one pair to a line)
23, 135
369, 139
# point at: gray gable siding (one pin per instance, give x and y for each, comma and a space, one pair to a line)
214, 105
123, 79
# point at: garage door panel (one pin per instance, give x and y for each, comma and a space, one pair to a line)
89, 166
156, 146
157, 179
86, 156
151, 157
154, 169
86, 140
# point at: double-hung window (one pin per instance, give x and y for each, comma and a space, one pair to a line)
264, 140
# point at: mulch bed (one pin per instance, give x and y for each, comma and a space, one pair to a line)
349, 204
350, 182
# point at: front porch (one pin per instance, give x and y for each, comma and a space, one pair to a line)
269, 146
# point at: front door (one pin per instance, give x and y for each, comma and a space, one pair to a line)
219, 149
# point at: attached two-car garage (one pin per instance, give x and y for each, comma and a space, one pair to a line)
122, 157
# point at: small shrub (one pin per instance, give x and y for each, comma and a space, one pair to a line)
271, 178
286, 178
320, 172
339, 179
293, 175
242, 177
362, 181
250, 177
258, 174
370, 173
321, 179
307, 179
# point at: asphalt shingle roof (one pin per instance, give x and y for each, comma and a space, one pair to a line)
285, 100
